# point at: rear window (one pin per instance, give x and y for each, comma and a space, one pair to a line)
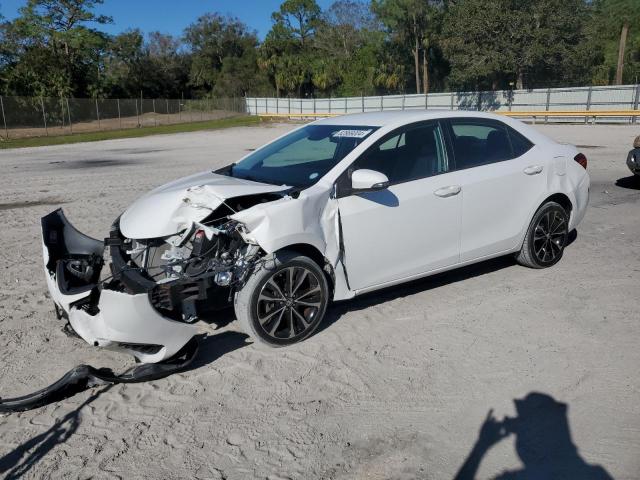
477, 143
519, 142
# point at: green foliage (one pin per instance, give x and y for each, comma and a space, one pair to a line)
355, 47
604, 31
52, 50
495, 43
223, 50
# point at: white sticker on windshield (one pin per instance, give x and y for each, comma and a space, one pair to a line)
351, 133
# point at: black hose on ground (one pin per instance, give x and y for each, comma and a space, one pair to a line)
83, 377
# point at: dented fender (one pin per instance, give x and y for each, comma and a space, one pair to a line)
311, 219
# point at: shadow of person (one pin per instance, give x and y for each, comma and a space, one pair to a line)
20, 460
543, 443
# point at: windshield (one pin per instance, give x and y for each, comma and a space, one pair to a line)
303, 157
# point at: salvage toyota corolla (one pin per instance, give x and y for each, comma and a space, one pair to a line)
333, 209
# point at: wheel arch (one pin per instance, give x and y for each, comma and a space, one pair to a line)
316, 255
560, 198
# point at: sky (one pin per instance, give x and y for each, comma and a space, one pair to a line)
172, 16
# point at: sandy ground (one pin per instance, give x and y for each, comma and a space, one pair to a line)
396, 385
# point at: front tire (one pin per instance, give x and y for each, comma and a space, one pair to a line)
546, 237
283, 301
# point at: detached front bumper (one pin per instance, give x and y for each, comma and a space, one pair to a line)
104, 315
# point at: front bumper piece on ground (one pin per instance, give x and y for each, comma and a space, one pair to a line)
101, 316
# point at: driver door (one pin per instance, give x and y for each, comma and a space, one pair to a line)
413, 226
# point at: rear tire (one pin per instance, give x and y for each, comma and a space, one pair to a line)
283, 301
546, 237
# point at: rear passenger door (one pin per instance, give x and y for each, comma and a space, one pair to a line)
503, 179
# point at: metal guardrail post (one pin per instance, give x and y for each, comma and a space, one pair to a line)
166, 100
119, 117
403, 100
636, 103
98, 114
382, 103
314, 104
426, 101
362, 98
69, 116
452, 94
137, 114
155, 120
586, 119
44, 117
345, 104
479, 101
547, 105
288, 106
329, 103
4, 120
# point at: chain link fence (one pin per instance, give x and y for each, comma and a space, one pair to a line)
34, 117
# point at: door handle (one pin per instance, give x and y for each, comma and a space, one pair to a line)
449, 191
533, 170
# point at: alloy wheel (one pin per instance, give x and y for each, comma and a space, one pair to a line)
549, 237
289, 302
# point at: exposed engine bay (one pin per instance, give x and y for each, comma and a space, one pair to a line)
191, 273
166, 283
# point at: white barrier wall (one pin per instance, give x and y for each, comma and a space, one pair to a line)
624, 97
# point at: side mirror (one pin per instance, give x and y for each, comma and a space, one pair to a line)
365, 180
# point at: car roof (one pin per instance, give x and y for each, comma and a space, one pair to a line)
397, 118
393, 117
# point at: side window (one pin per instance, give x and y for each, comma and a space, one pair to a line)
519, 142
477, 143
410, 153
394, 142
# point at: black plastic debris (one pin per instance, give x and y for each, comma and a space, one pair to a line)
83, 377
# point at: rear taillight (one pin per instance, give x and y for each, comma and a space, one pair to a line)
581, 159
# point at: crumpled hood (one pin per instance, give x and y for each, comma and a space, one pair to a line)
172, 208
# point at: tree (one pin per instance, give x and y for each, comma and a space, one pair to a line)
297, 20
214, 41
490, 43
410, 22
287, 54
617, 24
55, 50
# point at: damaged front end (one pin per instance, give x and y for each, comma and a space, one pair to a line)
156, 288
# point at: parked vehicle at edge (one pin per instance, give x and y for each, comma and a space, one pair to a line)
633, 159
333, 209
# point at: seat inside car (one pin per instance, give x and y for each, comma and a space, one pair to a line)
418, 158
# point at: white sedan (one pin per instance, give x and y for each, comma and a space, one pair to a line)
333, 209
